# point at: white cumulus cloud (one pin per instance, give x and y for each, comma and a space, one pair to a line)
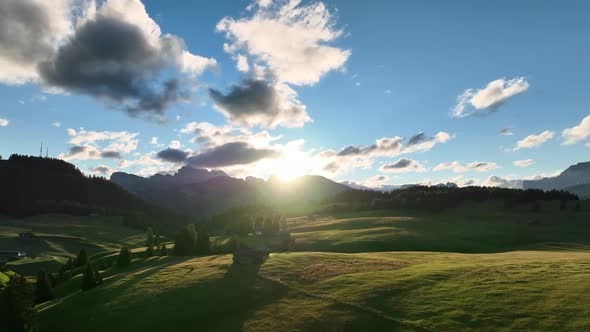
488, 98
532, 141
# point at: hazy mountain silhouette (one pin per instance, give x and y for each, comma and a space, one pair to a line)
575, 179
197, 191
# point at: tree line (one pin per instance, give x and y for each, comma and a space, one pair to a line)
437, 198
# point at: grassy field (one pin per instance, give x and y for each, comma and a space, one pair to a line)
521, 290
62, 236
475, 268
477, 228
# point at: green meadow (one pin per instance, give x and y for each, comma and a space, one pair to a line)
374, 270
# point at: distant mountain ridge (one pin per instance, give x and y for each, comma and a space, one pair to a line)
197, 191
575, 179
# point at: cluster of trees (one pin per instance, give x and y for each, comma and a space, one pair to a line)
436, 198
192, 240
17, 305
247, 219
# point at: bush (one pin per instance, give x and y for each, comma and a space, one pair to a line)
163, 250
124, 258
43, 288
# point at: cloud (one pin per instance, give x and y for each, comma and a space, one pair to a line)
242, 63
421, 142
577, 133
291, 39
506, 132
173, 155
4, 122
154, 141
99, 144
403, 165
29, 32
496, 181
210, 135
102, 170
56, 124
356, 156
532, 141
489, 98
256, 102
458, 167
175, 144
113, 52
523, 163
229, 154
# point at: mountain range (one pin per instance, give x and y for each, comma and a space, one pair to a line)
575, 179
195, 191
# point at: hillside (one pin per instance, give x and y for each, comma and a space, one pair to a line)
33, 185
336, 292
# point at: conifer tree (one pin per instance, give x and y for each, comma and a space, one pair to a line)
82, 258
43, 288
91, 277
203, 242
149, 252
149, 236
124, 258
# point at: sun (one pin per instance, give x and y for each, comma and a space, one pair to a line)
294, 163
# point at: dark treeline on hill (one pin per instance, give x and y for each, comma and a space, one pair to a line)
436, 198
36, 185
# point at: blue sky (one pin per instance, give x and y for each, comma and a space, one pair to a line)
384, 69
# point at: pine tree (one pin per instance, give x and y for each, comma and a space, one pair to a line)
149, 236
163, 250
82, 258
124, 258
149, 252
43, 288
186, 241
203, 242
89, 279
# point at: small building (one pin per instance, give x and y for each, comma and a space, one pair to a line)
26, 235
257, 255
13, 255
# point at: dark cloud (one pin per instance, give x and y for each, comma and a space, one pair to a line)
110, 154
113, 61
402, 163
24, 26
480, 165
416, 139
102, 169
172, 155
349, 150
506, 132
257, 102
236, 153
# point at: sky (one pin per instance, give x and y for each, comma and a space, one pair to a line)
376, 93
